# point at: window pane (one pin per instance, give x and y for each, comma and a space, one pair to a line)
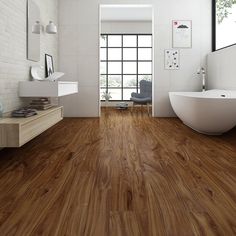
103, 81
114, 81
130, 41
129, 67
102, 93
114, 41
145, 68
103, 55
115, 94
103, 67
127, 93
114, 54
130, 54
145, 54
114, 68
225, 23
103, 41
145, 41
129, 80
144, 77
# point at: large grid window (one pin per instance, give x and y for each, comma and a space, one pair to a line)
125, 59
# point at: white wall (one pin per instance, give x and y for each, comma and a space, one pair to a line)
79, 50
14, 66
126, 27
221, 69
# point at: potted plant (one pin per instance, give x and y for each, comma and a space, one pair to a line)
107, 96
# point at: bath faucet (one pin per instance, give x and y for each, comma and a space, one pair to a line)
202, 72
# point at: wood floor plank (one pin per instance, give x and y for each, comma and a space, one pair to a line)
128, 223
123, 174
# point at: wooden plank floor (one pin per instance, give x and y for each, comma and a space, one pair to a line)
123, 174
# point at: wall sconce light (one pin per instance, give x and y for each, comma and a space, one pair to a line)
50, 28
36, 28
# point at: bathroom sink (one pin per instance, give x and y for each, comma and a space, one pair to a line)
47, 88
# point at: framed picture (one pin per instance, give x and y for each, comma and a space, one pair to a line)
49, 65
172, 59
182, 33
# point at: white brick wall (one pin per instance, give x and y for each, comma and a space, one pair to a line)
14, 66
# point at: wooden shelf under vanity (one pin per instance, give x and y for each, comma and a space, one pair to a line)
15, 132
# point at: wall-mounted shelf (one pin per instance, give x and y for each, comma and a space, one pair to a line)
15, 132
47, 88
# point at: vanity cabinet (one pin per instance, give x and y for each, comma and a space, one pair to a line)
15, 132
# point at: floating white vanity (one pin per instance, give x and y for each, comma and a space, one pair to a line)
47, 88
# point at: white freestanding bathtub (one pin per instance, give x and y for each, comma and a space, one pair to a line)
210, 112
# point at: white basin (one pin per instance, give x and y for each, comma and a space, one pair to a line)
47, 88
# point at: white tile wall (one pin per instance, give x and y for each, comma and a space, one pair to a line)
84, 17
14, 66
221, 69
77, 102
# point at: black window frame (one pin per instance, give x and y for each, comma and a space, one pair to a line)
214, 29
122, 88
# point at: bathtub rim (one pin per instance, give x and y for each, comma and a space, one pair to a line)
207, 95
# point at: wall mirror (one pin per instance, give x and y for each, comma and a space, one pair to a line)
224, 23
33, 31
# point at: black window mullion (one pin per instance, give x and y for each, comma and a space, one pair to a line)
137, 67
131, 34
127, 74
107, 65
126, 60
122, 67
122, 88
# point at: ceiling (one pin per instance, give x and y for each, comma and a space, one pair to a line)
126, 13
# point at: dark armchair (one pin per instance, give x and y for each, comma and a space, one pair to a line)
145, 95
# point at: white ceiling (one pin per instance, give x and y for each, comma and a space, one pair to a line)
126, 13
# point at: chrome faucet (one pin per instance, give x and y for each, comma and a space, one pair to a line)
202, 72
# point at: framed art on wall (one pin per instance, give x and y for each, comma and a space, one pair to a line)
49, 65
172, 59
182, 33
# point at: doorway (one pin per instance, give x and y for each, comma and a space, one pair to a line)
126, 53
